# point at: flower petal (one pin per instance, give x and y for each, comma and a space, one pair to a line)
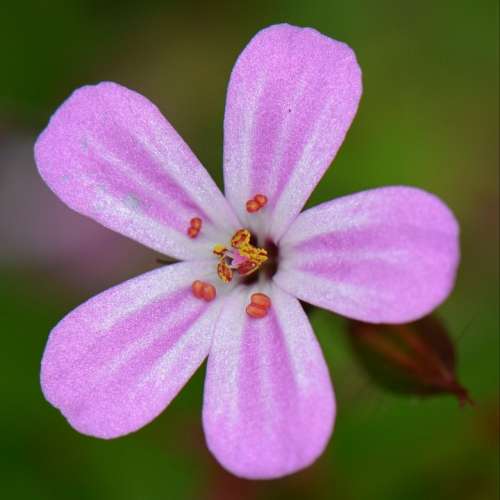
108, 153
114, 363
386, 255
291, 99
269, 405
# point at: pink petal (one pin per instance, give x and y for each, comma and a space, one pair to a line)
110, 154
114, 363
269, 405
386, 255
291, 99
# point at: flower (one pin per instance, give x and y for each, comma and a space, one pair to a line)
386, 255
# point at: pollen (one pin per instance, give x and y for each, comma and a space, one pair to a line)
252, 206
197, 288
256, 311
196, 222
256, 203
224, 272
259, 305
204, 291
242, 257
241, 238
261, 199
261, 299
219, 250
194, 227
208, 292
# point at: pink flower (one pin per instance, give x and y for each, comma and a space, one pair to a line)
386, 255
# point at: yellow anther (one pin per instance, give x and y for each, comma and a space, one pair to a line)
219, 250
240, 238
224, 272
255, 254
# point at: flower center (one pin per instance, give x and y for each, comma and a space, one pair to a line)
242, 257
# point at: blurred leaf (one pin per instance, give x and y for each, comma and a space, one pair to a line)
413, 358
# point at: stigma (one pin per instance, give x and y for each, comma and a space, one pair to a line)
243, 257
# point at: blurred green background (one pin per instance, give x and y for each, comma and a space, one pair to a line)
428, 118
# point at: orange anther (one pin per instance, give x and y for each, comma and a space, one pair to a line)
208, 292
255, 311
261, 200
252, 206
196, 223
197, 288
192, 232
261, 300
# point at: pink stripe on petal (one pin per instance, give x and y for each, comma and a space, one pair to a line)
114, 363
268, 405
387, 255
291, 99
110, 154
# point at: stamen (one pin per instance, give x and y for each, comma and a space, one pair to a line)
195, 227
252, 206
202, 290
259, 305
219, 250
197, 288
224, 272
261, 299
256, 203
242, 257
255, 311
240, 238
261, 199
196, 222
208, 292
